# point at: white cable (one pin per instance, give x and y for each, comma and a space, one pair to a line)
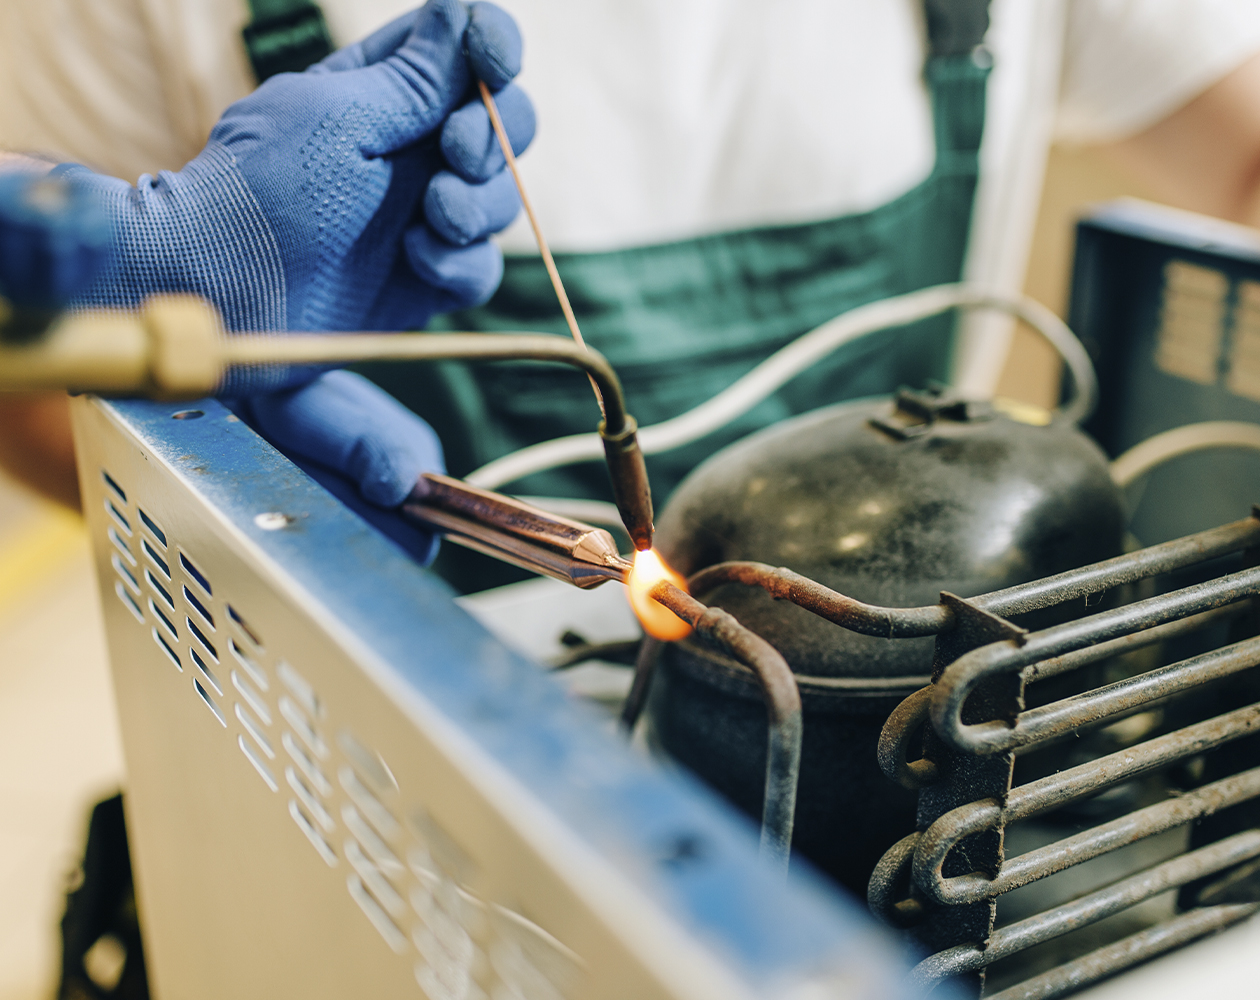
1142, 458
789, 361
588, 511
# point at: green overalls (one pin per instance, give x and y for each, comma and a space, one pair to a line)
681, 321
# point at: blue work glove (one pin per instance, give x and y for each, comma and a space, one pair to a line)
357, 195
358, 442
54, 239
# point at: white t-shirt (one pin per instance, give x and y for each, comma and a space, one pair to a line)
664, 119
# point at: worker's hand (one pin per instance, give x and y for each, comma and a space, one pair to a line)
358, 442
357, 195
54, 238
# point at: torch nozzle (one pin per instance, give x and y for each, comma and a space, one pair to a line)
515, 532
628, 472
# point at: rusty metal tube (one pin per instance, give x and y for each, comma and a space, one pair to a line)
1128, 568
783, 584
783, 705
942, 836
1130, 951
644, 669
961, 677
1088, 909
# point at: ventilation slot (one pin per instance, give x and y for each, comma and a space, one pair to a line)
301, 689
206, 672
263, 771
250, 634
252, 698
158, 533
157, 637
195, 573
128, 600
118, 490
124, 572
201, 638
382, 857
379, 816
200, 608
302, 726
158, 588
254, 730
205, 696
307, 798
170, 628
253, 669
307, 827
369, 763
117, 515
158, 561
121, 546
395, 938
310, 770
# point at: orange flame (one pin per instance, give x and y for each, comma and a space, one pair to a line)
657, 620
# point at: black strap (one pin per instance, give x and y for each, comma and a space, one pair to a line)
285, 36
955, 27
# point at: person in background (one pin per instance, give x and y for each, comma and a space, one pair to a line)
715, 180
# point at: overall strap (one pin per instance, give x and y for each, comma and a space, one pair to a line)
955, 27
957, 71
285, 36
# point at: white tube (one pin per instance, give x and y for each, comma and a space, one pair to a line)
796, 357
1142, 458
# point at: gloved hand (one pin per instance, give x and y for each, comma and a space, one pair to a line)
352, 196
357, 195
358, 442
54, 239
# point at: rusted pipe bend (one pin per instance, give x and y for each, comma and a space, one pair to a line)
783, 584
961, 677
1127, 952
906, 720
898, 623
1071, 785
890, 877
1087, 909
1128, 568
644, 668
783, 704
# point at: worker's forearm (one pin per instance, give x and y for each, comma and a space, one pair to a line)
1205, 156
36, 445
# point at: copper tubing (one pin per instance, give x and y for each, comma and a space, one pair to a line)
904, 623
626, 469
784, 585
783, 704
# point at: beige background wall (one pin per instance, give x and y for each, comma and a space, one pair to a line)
1075, 179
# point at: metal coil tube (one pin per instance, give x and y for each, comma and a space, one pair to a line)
1137, 948
1128, 568
961, 677
783, 704
1089, 908
975, 817
783, 584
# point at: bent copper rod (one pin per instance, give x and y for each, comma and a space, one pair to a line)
783, 704
306, 348
782, 583
618, 430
